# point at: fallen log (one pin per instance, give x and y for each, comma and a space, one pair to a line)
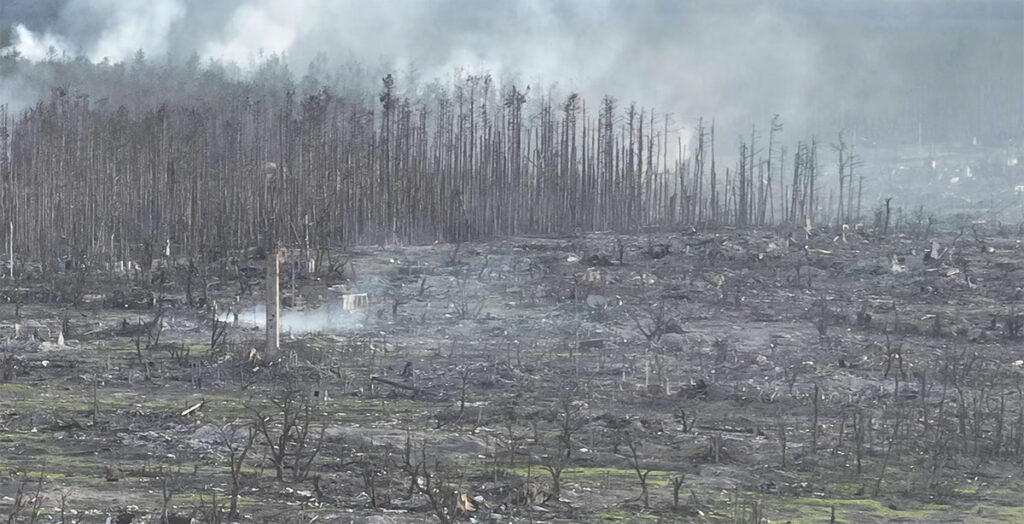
742, 431
395, 384
193, 409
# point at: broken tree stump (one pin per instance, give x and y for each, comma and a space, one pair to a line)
354, 301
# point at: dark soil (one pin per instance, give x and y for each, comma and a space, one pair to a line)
775, 377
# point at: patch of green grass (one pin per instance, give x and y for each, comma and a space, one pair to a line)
596, 476
116, 345
222, 498
33, 476
246, 469
62, 468
989, 513
966, 489
622, 516
14, 389
809, 509
195, 350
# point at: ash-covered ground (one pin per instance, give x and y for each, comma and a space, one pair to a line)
719, 376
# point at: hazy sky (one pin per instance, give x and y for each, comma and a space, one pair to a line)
815, 62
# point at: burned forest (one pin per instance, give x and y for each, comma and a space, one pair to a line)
246, 278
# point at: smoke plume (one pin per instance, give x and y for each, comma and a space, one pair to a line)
946, 65
328, 318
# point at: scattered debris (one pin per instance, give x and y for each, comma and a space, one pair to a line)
354, 301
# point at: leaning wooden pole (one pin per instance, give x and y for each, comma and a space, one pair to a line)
10, 251
273, 299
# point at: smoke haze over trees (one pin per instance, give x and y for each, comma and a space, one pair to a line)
501, 261
131, 124
952, 66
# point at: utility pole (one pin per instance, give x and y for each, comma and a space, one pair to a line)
273, 300
10, 251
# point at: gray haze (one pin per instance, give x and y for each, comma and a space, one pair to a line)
952, 67
328, 318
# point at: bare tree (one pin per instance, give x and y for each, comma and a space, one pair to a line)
238, 446
633, 444
288, 430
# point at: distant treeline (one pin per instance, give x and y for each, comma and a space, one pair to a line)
210, 162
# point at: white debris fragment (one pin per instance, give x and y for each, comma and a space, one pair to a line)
896, 266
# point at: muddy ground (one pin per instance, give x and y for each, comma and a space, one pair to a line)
745, 376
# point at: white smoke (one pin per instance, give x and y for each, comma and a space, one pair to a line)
38, 47
595, 47
737, 61
135, 25
271, 27
127, 26
328, 318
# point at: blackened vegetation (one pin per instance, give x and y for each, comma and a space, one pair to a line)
528, 378
719, 355
116, 184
